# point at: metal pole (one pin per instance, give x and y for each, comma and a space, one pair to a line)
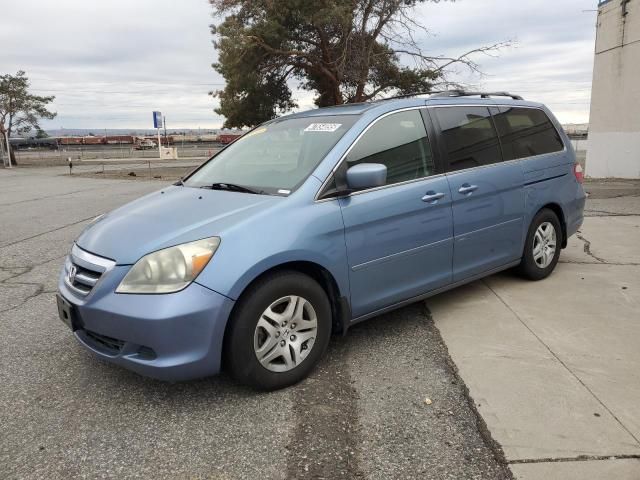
159, 145
164, 122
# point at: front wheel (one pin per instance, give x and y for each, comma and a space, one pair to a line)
278, 331
542, 247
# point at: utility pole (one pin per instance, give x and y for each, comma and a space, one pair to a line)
164, 121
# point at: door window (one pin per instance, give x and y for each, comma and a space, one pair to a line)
526, 132
398, 141
469, 136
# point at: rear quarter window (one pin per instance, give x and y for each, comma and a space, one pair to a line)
526, 132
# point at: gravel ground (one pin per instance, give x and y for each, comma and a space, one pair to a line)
64, 414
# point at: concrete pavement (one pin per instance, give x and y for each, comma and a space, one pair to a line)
554, 366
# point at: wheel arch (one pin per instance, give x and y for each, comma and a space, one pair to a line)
557, 209
340, 307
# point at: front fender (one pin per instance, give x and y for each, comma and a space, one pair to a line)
308, 232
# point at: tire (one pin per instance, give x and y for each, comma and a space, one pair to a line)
538, 265
263, 316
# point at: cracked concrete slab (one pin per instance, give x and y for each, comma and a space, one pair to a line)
616, 469
622, 206
613, 198
605, 246
533, 406
576, 251
554, 364
595, 336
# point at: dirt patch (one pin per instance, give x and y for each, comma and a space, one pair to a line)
164, 174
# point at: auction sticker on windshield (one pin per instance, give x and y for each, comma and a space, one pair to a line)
323, 127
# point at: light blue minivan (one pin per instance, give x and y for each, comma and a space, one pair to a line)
316, 221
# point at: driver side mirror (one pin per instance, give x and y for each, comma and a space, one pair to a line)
366, 175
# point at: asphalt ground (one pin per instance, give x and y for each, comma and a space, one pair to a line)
65, 414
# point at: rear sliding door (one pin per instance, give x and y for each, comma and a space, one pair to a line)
487, 192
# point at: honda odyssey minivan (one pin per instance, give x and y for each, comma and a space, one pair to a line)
316, 221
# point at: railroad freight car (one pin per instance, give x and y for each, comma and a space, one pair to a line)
227, 138
33, 143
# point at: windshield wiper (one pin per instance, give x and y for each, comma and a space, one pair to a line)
232, 187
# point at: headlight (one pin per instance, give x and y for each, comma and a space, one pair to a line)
169, 270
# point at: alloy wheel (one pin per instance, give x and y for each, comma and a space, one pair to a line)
544, 244
285, 333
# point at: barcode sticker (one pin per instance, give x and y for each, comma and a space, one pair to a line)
323, 127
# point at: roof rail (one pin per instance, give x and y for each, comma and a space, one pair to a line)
407, 95
463, 93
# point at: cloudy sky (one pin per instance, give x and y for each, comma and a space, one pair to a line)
110, 63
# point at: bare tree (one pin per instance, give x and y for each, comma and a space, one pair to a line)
345, 51
20, 111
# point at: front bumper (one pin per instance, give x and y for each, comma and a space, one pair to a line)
171, 337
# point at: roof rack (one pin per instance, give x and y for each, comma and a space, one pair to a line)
408, 95
452, 94
463, 93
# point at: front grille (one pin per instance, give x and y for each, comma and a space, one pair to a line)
83, 279
112, 346
83, 270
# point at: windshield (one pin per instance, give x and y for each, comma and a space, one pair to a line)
276, 157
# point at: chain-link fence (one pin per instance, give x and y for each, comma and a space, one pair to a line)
110, 152
136, 169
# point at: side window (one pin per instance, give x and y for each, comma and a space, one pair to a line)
469, 136
526, 132
398, 141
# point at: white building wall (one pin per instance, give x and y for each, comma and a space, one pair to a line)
614, 124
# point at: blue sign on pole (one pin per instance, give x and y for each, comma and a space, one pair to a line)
157, 119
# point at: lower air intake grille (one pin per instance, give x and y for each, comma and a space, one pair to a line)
111, 345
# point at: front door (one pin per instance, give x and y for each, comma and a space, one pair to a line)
399, 236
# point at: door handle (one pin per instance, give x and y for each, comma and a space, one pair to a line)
432, 197
465, 188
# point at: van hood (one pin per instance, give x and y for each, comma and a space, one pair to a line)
169, 217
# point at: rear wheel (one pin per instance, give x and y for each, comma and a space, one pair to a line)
279, 331
542, 247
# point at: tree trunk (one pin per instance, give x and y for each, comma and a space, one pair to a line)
10, 152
